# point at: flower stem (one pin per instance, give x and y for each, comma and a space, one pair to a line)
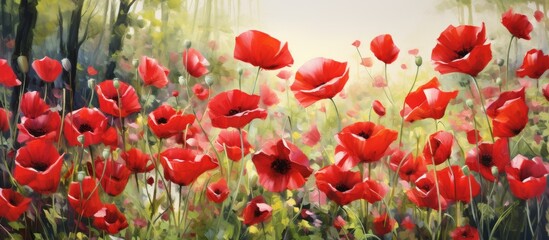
507, 62
256, 78
403, 106
337, 112
242, 167
482, 104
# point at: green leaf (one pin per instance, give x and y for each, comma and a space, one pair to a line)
16, 225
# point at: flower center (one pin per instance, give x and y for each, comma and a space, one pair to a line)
38, 132
162, 120
40, 167
486, 160
234, 111
13, 201
281, 166
85, 128
342, 187
257, 212
364, 135
424, 187
115, 99
463, 52
111, 218
217, 192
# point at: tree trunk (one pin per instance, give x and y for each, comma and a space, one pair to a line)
70, 51
117, 35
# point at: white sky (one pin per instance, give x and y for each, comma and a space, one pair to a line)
326, 28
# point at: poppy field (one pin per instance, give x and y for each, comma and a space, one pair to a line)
228, 139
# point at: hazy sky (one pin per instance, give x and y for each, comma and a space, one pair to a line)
327, 28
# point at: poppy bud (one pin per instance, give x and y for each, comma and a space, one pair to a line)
91, 83
209, 80
495, 170
466, 170
187, 44
81, 139
175, 93
66, 63
135, 62
545, 91
106, 153
378, 108
240, 71
80, 176
469, 103
23, 64
116, 83
419, 61
500, 62
181, 80
498, 81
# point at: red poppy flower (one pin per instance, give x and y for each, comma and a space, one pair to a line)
109, 219
32, 105
88, 122
424, 194
38, 165
545, 91
509, 113
473, 136
527, 178
383, 224
166, 122
110, 138
411, 168
535, 63
311, 137
230, 140
373, 191
217, 192
517, 24
356, 43
487, 155
235, 109
456, 186
113, 175
428, 101
7, 76
118, 103
201, 92
183, 166
91, 71
281, 165
4, 120
318, 79
439, 147
137, 161
152, 72
378, 108
262, 50
462, 49
268, 96
384, 48
362, 142
13, 204
84, 197
195, 63
44, 127
47, 69
465, 233
538, 15
340, 186
257, 211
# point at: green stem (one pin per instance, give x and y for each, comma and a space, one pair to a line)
242, 167
483, 107
337, 112
256, 78
403, 106
507, 62
390, 95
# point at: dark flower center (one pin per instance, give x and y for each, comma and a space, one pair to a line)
162, 120
486, 160
424, 187
281, 166
217, 192
115, 99
465, 234
342, 187
111, 218
13, 201
234, 111
364, 135
409, 172
40, 167
85, 128
463, 52
38, 132
257, 212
